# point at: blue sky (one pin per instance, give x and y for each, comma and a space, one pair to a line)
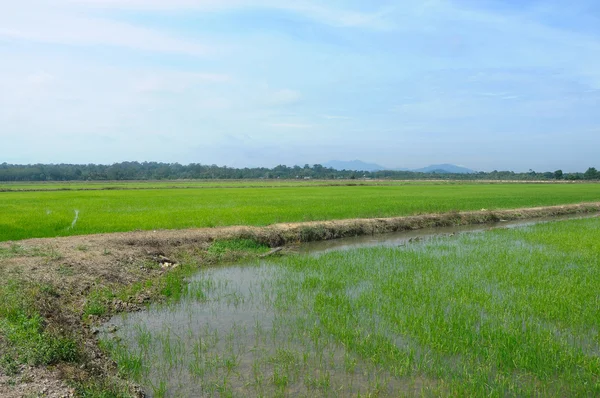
486, 84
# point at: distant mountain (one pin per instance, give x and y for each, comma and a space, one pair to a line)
358, 165
445, 168
355, 165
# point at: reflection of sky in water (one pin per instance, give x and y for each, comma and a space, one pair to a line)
234, 299
239, 324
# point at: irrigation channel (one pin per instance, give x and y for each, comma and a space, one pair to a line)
249, 330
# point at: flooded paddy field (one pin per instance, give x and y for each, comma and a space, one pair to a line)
513, 311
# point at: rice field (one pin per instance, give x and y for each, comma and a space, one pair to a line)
246, 183
505, 312
36, 214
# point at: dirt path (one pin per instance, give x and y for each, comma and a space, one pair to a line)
73, 267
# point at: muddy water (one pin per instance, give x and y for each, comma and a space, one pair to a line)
239, 339
239, 333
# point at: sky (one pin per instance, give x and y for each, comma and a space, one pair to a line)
505, 85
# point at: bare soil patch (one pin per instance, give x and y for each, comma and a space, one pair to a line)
35, 382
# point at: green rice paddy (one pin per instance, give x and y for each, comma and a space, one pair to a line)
75, 211
512, 312
181, 184
246, 183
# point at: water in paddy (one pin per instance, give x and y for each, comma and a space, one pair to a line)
247, 330
404, 237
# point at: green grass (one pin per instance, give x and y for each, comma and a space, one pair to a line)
97, 302
169, 287
24, 329
16, 250
12, 251
511, 312
48, 214
224, 249
94, 388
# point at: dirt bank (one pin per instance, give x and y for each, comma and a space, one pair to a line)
66, 274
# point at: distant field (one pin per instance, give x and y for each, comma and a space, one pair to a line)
109, 185
48, 214
266, 183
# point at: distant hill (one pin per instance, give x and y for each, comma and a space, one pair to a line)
355, 165
445, 168
359, 165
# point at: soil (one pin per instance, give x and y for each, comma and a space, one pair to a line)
76, 265
35, 382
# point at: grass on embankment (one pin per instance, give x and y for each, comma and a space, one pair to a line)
48, 214
24, 338
22, 327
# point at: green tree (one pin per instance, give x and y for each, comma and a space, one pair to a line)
591, 174
558, 175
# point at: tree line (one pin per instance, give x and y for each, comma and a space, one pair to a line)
171, 171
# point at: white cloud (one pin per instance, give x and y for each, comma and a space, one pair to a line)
176, 82
316, 10
39, 21
40, 78
335, 117
283, 97
70, 96
292, 125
